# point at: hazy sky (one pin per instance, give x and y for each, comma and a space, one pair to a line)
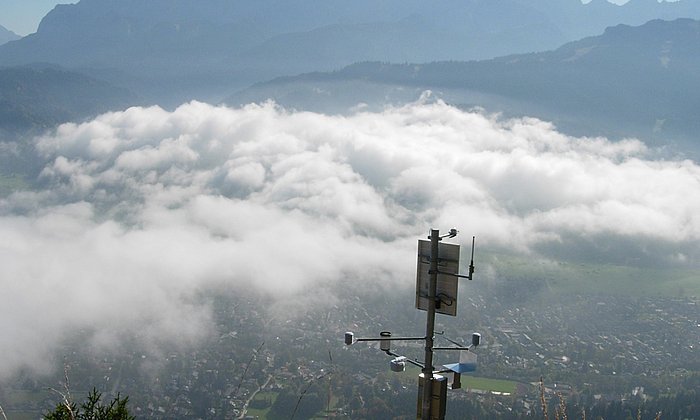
23, 16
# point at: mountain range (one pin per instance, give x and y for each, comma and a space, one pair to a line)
626, 81
175, 50
7, 35
630, 81
41, 96
38, 97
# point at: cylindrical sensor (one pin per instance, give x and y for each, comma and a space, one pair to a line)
385, 345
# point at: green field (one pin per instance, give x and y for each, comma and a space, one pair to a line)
409, 378
586, 278
487, 384
262, 412
32, 402
271, 397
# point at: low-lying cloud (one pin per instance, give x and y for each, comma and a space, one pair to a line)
141, 210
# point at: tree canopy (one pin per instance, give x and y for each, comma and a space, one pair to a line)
92, 409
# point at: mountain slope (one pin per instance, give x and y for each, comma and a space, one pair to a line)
172, 50
39, 97
639, 81
6, 35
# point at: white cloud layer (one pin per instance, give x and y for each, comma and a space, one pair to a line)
143, 209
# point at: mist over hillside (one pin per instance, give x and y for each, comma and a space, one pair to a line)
36, 98
175, 50
628, 82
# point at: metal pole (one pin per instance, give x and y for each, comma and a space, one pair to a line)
430, 327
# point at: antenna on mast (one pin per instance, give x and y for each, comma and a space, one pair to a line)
436, 292
471, 263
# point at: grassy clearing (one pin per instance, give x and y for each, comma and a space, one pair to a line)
262, 413
32, 404
20, 397
409, 378
271, 397
323, 414
23, 415
587, 278
487, 384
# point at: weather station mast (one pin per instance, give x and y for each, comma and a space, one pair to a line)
436, 292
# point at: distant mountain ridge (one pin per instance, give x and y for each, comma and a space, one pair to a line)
640, 81
7, 35
41, 96
172, 50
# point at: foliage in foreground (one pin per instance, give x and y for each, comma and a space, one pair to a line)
91, 409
